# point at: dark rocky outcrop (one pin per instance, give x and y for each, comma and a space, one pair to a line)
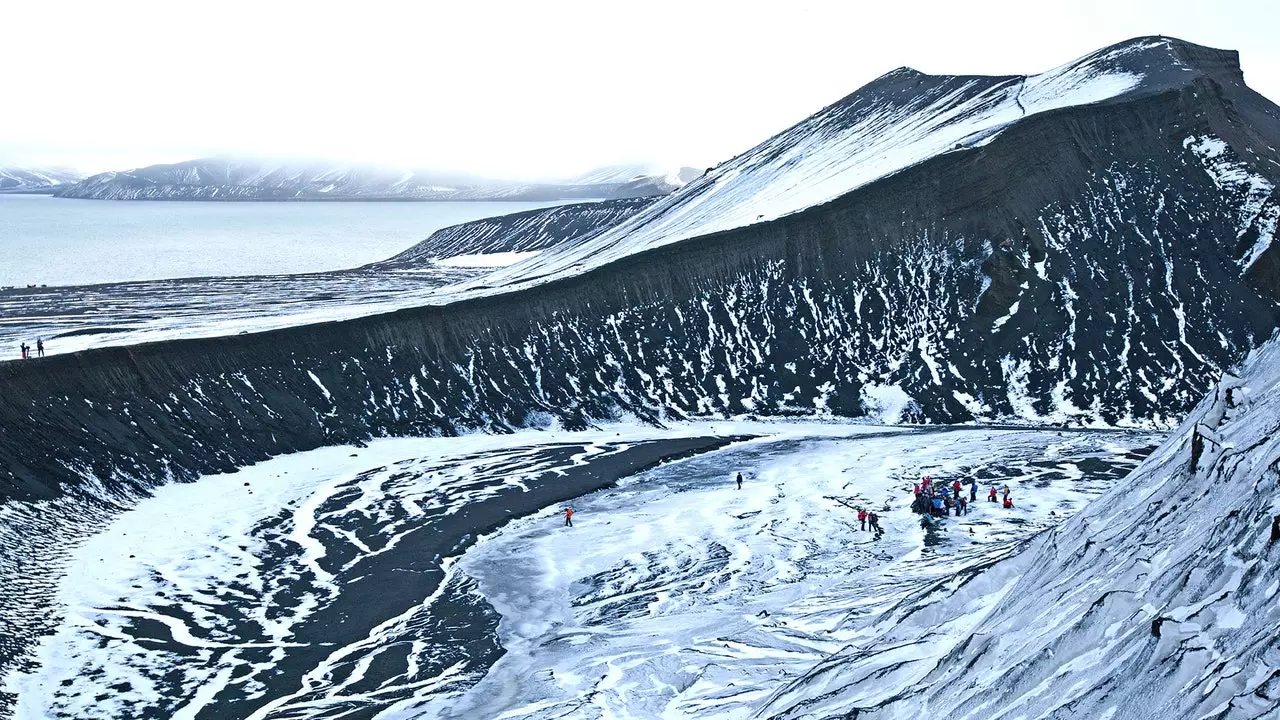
520, 232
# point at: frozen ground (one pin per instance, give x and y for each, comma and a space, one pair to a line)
351, 582
78, 317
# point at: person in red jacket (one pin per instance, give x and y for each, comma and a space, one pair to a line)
568, 517
992, 496
862, 518
1008, 501
955, 488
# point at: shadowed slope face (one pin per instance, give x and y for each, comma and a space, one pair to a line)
1156, 601
520, 232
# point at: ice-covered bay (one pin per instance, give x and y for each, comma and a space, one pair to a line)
348, 582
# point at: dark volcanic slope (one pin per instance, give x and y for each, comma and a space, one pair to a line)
521, 232
1139, 236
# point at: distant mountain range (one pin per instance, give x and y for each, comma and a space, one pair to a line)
35, 180
229, 179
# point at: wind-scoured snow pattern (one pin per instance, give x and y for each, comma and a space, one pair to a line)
1156, 601
349, 580
309, 585
679, 596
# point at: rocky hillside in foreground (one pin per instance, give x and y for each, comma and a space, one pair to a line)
1093, 244
36, 180
224, 179
1156, 601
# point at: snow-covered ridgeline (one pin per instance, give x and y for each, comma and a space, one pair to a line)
248, 179
32, 179
900, 120
1158, 600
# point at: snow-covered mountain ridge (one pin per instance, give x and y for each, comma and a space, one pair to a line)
231, 179
900, 120
35, 180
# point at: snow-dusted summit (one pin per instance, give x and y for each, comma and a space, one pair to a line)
36, 180
900, 120
236, 179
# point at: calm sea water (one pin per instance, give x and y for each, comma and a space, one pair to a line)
55, 241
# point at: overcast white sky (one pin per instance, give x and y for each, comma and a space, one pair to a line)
531, 88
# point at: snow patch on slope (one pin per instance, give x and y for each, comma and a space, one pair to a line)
1259, 207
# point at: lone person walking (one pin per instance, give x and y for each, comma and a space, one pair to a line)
568, 517
739, 481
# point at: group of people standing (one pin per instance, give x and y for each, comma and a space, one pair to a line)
26, 349
940, 499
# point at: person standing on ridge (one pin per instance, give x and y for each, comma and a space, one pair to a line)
862, 518
568, 517
739, 481
40, 347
